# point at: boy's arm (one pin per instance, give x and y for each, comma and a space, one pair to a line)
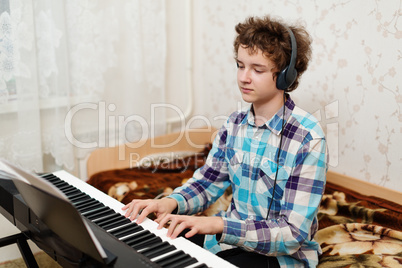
285, 234
208, 182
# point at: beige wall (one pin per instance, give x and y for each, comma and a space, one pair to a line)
352, 85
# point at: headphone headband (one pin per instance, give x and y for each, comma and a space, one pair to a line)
288, 75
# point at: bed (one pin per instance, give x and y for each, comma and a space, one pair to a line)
360, 224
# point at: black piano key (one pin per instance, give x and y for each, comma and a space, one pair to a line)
86, 202
94, 211
73, 194
91, 207
131, 229
83, 201
202, 265
67, 188
121, 226
70, 190
182, 263
107, 219
48, 176
133, 237
147, 243
159, 250
79, 199
77, 195
172, 258
99, 213
136, 241
116, 224
60, 184
53, 180
153, 247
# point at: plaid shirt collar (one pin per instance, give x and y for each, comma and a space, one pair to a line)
275, 123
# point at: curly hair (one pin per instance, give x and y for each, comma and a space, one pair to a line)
272, 38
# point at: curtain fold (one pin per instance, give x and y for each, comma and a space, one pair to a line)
78, 75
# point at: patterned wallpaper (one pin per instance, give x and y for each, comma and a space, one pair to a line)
353, 84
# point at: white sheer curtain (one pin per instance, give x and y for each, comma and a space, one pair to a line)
77, 75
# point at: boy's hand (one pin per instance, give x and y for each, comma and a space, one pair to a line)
197, 225
161, 207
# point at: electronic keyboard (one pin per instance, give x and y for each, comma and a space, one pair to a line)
138, 244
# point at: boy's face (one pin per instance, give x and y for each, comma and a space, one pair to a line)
255, 77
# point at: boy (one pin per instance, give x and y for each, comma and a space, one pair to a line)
274, 156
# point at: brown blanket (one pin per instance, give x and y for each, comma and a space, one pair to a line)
354, 230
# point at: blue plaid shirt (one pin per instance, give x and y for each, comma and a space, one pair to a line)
243, 156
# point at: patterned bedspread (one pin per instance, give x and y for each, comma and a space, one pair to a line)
354, 230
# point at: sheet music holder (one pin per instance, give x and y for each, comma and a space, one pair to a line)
52, 207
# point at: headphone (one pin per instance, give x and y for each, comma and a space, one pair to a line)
288, 75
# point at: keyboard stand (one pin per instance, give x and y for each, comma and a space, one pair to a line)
21, 240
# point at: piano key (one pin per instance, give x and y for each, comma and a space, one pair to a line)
158, 251
138, 234
53, 180
141, 237
49, 176
177, 257
116, 224
107, 219
90, 207
85, 203
198, 265
72, 197
70, 190
120, 226
182, 263
172, 259
80, 198
99, 213
60, 184
88, 213
150, 249
130, 230
166, 255
155, 240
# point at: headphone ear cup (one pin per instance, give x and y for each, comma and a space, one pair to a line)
286, 78
281, 80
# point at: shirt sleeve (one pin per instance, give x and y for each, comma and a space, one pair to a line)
208, 182
296, 221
